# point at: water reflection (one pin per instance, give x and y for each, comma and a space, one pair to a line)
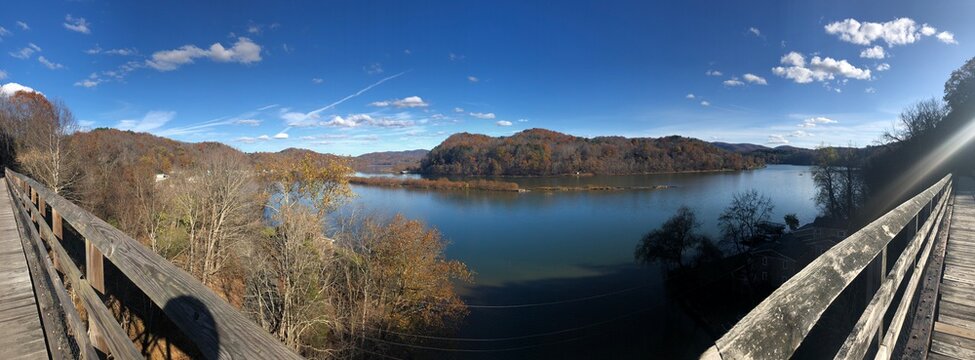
540, 246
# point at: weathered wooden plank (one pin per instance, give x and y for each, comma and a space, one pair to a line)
948, 319
950, 350
936, 356
959, 296
216, 327
72, 318
954, 330
21, 333
967, 346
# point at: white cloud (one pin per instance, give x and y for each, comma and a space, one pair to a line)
249, 122
503, 123
705, 103
793, 59
356, 120
49, 64
88, 83
713, 73
121, 52
4, 32
870, 90
947, 37
407, 102
77, 24
733, 82
485, 116
901, 31
755, 31
375, 68
3, 74
897, 32
799, 133
23, 25
455, 57
317, 80
410, 102
522, 120
819, 120
755, 79
281, 135
251, 140
818, 69
777, 140
883, 67
26, 52
876, 52
151, 121
458, 110
690, 96
244, 51
473, 79
9, 89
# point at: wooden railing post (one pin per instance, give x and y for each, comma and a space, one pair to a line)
95, 274
883, 276
58, 235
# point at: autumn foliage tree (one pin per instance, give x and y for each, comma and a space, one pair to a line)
37, 131
545, 152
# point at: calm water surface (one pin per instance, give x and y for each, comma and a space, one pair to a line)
537, 248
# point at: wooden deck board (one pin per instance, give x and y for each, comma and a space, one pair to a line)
953, 336
21, 336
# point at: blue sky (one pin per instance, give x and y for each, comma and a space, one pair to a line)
360, 76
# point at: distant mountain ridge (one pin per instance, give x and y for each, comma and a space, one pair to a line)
536, 152
782, 154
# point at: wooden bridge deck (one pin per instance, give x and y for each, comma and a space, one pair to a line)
21, 336
954, 328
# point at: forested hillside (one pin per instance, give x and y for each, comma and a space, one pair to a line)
261, 230
545, 152
389, 161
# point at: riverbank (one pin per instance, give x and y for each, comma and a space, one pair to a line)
438, 184
485, 185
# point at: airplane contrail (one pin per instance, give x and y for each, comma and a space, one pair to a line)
357, 93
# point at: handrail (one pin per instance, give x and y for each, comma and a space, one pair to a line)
778, 325
213, 325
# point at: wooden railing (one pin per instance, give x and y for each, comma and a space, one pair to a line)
778, 325
216, 328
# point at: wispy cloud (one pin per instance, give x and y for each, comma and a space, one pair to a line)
26, 52
151, 121
244, 51
485, 116
49, 64
23, 25
77, 24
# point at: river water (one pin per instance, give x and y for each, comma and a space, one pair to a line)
555, 276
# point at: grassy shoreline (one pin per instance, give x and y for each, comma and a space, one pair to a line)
485, 185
